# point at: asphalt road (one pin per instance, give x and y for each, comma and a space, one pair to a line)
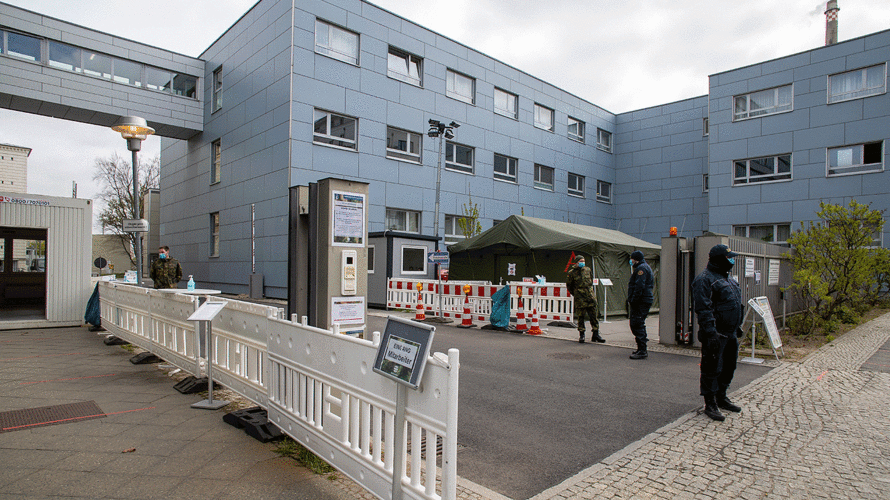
535, 411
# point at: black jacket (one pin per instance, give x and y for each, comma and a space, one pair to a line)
717, 301
639, 288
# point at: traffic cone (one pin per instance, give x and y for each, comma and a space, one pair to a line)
421, 313
467, 320
520, 318
535, 329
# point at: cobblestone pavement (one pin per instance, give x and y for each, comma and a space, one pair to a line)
815, 429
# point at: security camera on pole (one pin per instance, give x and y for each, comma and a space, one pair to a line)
442, 131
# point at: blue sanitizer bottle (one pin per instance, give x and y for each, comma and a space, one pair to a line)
191, 285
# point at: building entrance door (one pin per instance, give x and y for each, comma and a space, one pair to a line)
22, 272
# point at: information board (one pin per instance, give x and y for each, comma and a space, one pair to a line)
761, 306
773, 276
404, 347
348, 219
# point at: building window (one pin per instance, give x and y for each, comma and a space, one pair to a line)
704, 183
576, 129
214, 234
404, 67
506, 103
453, 234
604, 140
458, 157
856, 159
217, 90
460, 87
413, 259
23, 46
543, 177
505, 168
370, 259
857, 83
406, 221
335, 130
767, 169
763, 102
543, 117
334, 41
770, 233
403, 145
215, 161
705, 126
576, 185
603, 191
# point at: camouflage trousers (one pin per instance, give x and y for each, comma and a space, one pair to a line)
590, 312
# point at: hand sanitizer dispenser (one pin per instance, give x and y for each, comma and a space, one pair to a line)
191, 285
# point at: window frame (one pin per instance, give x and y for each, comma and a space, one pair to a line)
603, 140
404, 215
452, 165
861, 167
505, 177
422, 260
706, 126
878, 90
327, 135
541, 125
784, 176
405, 155
39, 59
217, 90
705, 183
455, 235
450, 91
514, 114
581, 126
576, 191
329, 50
600, 197
214, 234
775, 109
407, 58
216, 162
538, 182
775, 229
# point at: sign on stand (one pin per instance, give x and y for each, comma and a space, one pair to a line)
401, 356
760, 305
206, 313
606, 282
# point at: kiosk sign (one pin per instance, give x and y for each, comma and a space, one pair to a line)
403, 350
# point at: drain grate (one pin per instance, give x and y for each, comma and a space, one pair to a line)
568, 356
29, 418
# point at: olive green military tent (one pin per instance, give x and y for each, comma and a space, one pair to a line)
541, 247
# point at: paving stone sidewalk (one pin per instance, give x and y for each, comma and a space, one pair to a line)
815, 429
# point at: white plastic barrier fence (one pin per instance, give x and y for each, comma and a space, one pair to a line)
316, 385
552, 300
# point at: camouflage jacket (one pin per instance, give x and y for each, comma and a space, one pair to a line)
579, 282
166, 273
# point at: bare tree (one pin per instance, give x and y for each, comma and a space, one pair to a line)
115, 175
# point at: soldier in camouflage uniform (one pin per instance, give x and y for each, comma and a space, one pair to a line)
579, 283
165, 271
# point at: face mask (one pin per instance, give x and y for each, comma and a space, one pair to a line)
631, 262
731, 260
580, 264
162, 256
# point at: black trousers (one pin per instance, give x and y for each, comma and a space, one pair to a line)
718, 361
636, 315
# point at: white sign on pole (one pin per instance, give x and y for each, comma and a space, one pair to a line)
605, 282
749, 267
511, 269
135, 226
761, 306
773, 276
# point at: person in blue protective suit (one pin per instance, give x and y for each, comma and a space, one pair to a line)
717, 301
639, 301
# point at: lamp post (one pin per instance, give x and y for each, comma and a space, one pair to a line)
135, 130
442, 131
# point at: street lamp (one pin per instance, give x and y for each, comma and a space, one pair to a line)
135, 130
442, 131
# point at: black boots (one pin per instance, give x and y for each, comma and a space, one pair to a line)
581, 338
595, 337
640, 353
724, 403
712, 410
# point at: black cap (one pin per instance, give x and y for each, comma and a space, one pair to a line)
721, 251
637, 255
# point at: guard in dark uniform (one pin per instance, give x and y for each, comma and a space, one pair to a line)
639, 301
718, 305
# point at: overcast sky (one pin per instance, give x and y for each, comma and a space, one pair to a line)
620, 55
